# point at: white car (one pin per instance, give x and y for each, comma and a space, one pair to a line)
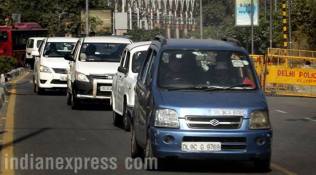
32, 47
50, 67
124, 82
93, 63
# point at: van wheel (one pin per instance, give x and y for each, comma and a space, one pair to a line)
262, 165
126, 119
150, 161
135, 148
75, 102
116, 119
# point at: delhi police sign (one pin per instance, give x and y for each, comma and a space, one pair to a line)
243, 12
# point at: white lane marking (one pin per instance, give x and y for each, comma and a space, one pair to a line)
280, 111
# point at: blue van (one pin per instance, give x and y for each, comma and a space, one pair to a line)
200, 99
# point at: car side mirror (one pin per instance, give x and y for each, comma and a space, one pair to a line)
35, 53
122, 70
69, 57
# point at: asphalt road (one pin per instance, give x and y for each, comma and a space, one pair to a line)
44, 126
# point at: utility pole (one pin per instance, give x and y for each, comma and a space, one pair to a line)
252, 28
201, 19
87, 17
290, 26
271, 22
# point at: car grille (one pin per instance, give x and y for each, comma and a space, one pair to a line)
60, 71
103, 93
103, 77
214, 122
58, 82
227, 143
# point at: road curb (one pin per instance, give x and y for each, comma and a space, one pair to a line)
10, 76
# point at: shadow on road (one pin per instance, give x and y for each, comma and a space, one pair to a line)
209, 166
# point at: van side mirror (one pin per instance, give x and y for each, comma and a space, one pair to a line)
69, 57
35, 53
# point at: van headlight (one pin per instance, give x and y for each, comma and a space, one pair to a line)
81, 77
44, 69
259, 120
166, 118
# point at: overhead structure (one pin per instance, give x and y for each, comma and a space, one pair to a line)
175, 16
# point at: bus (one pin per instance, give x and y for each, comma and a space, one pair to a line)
13, 39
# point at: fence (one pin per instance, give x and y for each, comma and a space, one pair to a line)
287, 72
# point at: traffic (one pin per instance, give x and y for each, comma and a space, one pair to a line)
181, 99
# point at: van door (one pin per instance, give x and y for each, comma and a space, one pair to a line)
143, 95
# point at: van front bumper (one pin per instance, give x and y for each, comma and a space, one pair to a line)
236, 145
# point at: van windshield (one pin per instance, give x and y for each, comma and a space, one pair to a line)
197, 69
101, 52
58, 49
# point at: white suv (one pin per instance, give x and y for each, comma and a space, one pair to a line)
94, 61
124, 82
50, 67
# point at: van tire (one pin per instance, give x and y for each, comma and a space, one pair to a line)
262, 165
136, 150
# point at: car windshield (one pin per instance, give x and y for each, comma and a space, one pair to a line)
184, 69
58, 49
101, 52
138, 59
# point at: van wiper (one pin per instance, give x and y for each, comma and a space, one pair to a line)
243, 86
198, 87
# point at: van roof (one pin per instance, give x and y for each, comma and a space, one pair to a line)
106, 39
62, 39
206, 44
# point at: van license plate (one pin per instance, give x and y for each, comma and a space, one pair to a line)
105, 88
201, 146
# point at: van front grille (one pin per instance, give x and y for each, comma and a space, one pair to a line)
214, 122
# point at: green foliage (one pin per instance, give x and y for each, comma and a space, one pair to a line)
143, 35
6, 64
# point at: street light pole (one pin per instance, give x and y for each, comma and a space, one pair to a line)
87, 17
290, 25
201, 19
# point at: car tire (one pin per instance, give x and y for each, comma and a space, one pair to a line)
75, 102
116, 119
136, 151
68, 98
34, 85
126, 119
263, 165
39, 90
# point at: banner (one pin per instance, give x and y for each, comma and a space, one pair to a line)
243, 12
297, 76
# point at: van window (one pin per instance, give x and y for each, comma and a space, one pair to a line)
38, 43
222, 69
30, 43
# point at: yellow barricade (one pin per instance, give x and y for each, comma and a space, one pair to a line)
287, 72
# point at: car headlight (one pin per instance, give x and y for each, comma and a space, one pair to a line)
81, 77
259, 120
166, 118
44, 69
